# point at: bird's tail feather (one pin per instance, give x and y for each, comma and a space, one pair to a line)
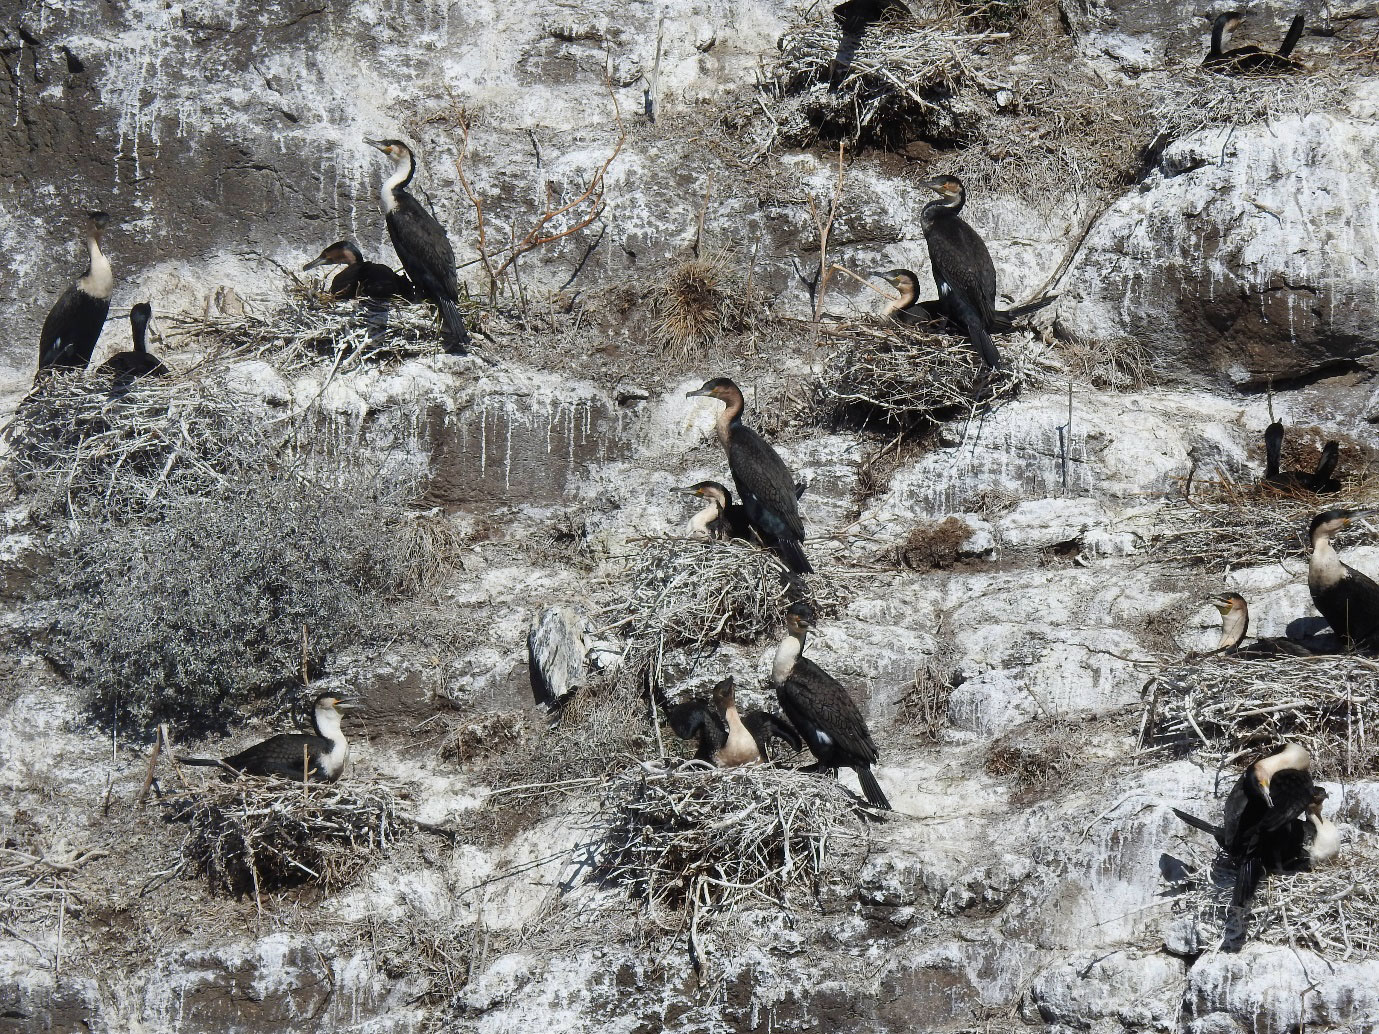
984, 344
872, 789
1247, 878
1005, 319
457, 337
792, 553
1291, 40
1195, 822
182, 759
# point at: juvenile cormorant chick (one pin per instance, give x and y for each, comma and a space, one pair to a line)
421, 243
1321, 481
725, 738
74, 323
1347, 599
721, 518
1235, 623
962, 266
360, 279
909, 310
821, 709
1250, 59
763, 481
322, 756
127, 367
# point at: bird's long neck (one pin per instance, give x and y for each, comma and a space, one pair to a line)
1234, 624
909, 294
786, 655
327, 722
1292, 756
739, 748
699, 523
1326, 842
98, 281
1325, 567
1326, 464
403, 172
140, 332
732, 414
1218, 38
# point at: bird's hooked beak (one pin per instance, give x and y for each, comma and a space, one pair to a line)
314, 263
698, 392
686, 491
376, 143
344, 704
1222, 603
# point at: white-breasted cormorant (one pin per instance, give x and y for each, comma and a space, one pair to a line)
73, 325
768, 492
421, 243
1235, 623
962, 266
321, 757
1321, 481
725, 738
821, 710
128, 367
909, 310
1347, 599
360, 279
721, 519
1250, 59
1271, 792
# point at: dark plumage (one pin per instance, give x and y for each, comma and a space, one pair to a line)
714, 721
361, 279
73, 325
962, 266
422, 244
128, 367
1347, 598
909, 310
822, 711
764, 483
1250, 60
321, 756
722, 518
1321, 481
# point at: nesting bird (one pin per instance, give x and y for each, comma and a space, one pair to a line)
821, 710
1320, 481
1249, 59
769, 494
317, 757
906, 307
127, 367
1347, 598
726, 738
1235, 624
962, 266
73, 325
421, 243
361, 279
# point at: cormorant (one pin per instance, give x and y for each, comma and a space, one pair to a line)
763, 481
962, 266
1235, 622
321, 756
556, 651
1321, 481
725, 738
721, 518
1270, 793
1250, 59
1324, 844
421, 243
1347, 599
909, 310
821, 709
127, 367
73, 325
360, 279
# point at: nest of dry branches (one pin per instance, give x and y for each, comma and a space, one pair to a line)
256, 836
1333, 910
1232, 705
36, 885
691, 841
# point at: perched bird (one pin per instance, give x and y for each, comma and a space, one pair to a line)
721, 518
962, 266
556, 651
1320, 481
1347, 599
74, 323
908, 309
320, 757
1250, 59
725, 738
768, 492
360, 279
421, 243
821, 710
128, 367
1235, 623
1270, 793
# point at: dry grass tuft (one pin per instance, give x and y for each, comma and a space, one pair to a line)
1233, 705
261, 836
1038, 756
701, 301
924, 707
933, 544
36, 885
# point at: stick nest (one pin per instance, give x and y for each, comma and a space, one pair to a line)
690, 838
1232, 705
260, 836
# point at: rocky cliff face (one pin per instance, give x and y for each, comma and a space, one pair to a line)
1033, 876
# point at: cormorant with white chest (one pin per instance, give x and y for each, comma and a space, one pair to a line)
1235, 624
726, 738
1347, 598
909, 310
962, 266
361, 279
73, 325
128, 367
764, 483
320, 757
421, 243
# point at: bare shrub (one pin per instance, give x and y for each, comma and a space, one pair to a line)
924, 707
700, 302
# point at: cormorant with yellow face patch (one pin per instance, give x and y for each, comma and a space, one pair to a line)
1235, 623
319, 758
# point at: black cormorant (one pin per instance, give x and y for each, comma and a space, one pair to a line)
719, 729
360, 279
908, 309
1235, 623
1250, 59
1347, 599
962, 266
821, 710
127, 367
421, 243
1273, 791
321, 757
73, 325
763, 481
1321, 481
